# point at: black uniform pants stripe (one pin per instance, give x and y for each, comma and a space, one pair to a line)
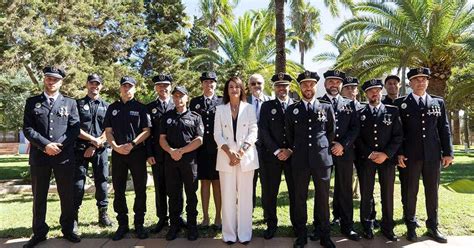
430, 171
179, 174
270, 178
100, 172
386, 173
121, 164
40, 178
321, 178
343, 191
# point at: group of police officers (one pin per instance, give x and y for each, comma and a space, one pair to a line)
303, 139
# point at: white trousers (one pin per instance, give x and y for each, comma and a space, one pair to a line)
236, 193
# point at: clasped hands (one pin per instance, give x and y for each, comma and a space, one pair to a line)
96, 143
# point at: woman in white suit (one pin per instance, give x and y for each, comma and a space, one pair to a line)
235, 132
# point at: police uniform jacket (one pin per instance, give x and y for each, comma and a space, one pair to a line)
387, 100
156, 112
271, 128
426, 132
92, 120
310, 134
347, 125
180, 130
43, 125
198, 105
382, 133
127, 121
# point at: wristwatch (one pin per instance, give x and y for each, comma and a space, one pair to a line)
133, 143
246, 146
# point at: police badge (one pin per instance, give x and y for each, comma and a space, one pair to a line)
169, 121
162, 77
404, 106
274, 111
281, 75
362, 117
86, 107
114, 113
296, 111
198, 106
38, 105
420, 70
154, 110
386, 119
307, 74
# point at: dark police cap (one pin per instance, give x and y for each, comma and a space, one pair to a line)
334, 74
373, 83
128, 80
350, 81
162, 79
281, 79
417, 72
180, 89
392, 77
308, 76
208, 75
94, 78
53, 71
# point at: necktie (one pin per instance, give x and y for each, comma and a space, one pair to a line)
257, 106
283, 106
374, 112
51, 102
334, 104
421, 103
208, 103
163, 105
310, 107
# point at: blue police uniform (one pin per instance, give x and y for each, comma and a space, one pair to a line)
272, 135
381, 131
44, 122
127, 120
347, 130
91, 115
310, 131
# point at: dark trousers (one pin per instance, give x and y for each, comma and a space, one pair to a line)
402, 175
135, 161
100, 169
260, 152
386, 173
270, 178
179, 173
321, 178
343, 192
430, 170
40, 178
358, 164
161, 199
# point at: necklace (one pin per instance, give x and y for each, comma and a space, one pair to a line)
234, 109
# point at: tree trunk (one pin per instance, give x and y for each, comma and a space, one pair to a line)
438, 80
302, 51
466, 129
280, 36
456, 128
403, 89
31, 73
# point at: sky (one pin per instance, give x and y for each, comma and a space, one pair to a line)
328, 25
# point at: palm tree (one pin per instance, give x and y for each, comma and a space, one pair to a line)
213, 11
304, 20
243, 44
435, 34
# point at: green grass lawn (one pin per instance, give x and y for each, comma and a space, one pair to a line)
456, 210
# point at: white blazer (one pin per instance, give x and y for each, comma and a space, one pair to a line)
246, 133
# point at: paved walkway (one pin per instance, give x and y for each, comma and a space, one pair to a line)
424, 242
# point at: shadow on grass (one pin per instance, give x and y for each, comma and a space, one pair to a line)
12, 172
13, 159
456, 172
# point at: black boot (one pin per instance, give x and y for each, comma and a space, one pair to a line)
437, 235
104, 219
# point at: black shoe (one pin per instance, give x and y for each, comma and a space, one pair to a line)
230, 242
411, 235
376, 224
336, 222
269, 233
368, 234
34, 240
390, 235
192, 233
120, 233
327, 242
172, 233
72, 237
437, 235
315, 236
245, 242
300, 242
351, 234
141, 232
159, 226
104, 219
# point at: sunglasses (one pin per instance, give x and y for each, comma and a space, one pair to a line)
255, 83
